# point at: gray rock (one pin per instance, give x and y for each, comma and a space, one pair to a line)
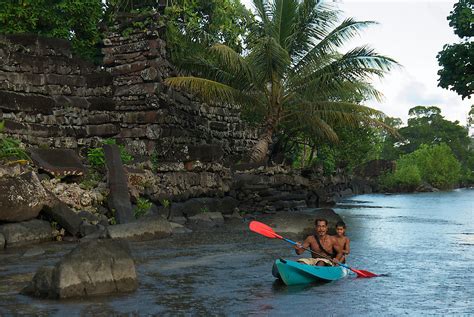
93, 268
205, 220
144, 229
21, 197
26, 232
2, 241
119, 198
86, 228
58, 162
180, 220
96, 232
178, 228
64, 216
33, 252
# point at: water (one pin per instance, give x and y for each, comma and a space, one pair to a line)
425, 242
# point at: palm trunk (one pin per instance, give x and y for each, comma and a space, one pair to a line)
260, 149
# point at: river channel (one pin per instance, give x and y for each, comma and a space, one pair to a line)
423, 242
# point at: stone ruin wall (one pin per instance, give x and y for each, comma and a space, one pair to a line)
50, 98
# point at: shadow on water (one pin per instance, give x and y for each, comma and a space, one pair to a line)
279, 287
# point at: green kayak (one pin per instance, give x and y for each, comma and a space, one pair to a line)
293, 273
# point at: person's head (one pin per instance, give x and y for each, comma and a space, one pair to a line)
321, 225
340, 228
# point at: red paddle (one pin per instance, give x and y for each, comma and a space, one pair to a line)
268, 232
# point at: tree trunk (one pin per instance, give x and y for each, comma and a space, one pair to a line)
260, 149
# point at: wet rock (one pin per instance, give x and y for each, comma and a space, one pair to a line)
94, 232
64, 216
86, 228
179, 228
180, 220
205, 220
26, 232
33, 252
144, 229
21, 197
196, 206
93, 268
2, 241
234, 215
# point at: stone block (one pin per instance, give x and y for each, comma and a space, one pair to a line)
26, 232
119, 198
103, 130
28, 103
58, 162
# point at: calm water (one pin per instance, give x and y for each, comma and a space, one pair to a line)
425, 242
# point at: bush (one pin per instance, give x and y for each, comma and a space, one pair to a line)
435, 165
10, 149
76, 21
96, 156
143, 206
407, 177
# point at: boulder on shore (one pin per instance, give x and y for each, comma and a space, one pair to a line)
151, 227
26, 232
21, 197
97, 267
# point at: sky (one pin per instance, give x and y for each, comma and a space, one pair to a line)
412, 32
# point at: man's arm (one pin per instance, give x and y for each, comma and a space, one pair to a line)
305, 245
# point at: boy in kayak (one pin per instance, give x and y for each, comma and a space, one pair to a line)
325, 247
342, 240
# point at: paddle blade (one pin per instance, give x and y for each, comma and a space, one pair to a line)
264, 230
363, 273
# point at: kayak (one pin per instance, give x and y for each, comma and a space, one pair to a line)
293, 273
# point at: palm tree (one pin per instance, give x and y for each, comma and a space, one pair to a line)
292, 74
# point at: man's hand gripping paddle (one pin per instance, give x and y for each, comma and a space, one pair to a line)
268, 232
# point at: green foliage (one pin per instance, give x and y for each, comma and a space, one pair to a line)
204, 209
457, 60
91, 180
406, 178
196, 24
438, 166
96, 156
143, 206
461, 19
75, 20
356, 145
10, 149
426, 125
457, 68
165, 203
435, 165
327, 158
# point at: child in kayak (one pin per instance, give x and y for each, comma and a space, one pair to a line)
343, 241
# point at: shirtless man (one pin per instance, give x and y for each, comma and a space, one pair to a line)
330, 247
